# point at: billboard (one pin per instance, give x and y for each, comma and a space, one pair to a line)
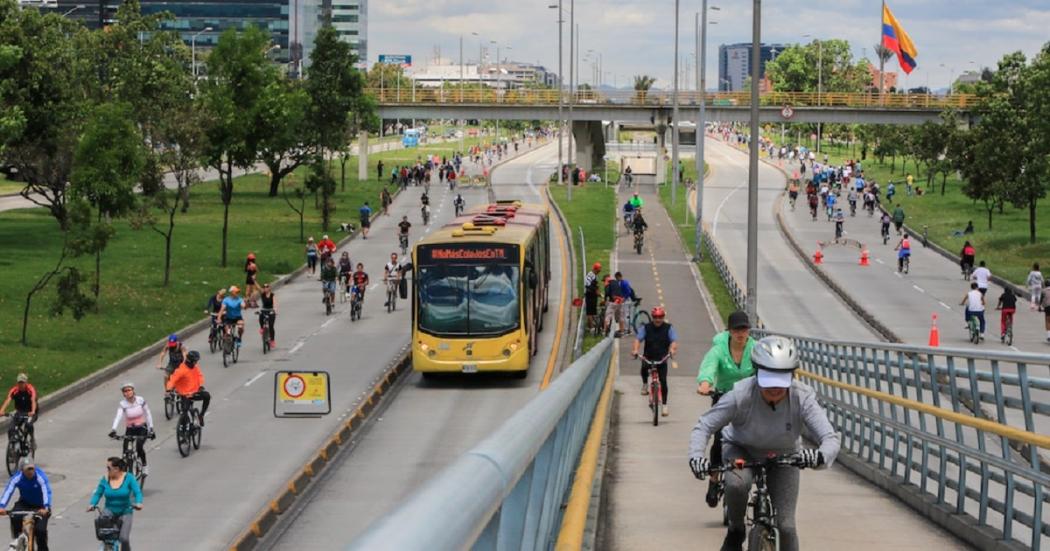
404, 61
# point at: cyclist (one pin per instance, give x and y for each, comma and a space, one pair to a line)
726, 362
903, 249
213, 307
1008, 304
590, 294
392, 273
793, 193
175, 350
638, 224
898, 218
966, 259
425, 199
123, 496
614, 306
637, 201
840, 220
981, 276
851, 197
326, 247
230, 313
268, 312
424, 213
34, 494
23, 395
813, 202
365, 214
329, 277
188, 383
830, 204
138, 421
345, 269
885, 221
974, 301
311, 255
661, 340
628, 212
753, 427
360, 281
402, 231
459, 204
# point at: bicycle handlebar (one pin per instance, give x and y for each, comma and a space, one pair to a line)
790, 460
651, 362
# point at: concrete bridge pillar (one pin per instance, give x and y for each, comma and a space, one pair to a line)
362, 156
590, 144
662, 136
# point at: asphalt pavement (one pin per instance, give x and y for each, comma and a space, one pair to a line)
205, 500
653, 499
429, 423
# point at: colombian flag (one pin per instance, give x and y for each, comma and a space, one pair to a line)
897, 41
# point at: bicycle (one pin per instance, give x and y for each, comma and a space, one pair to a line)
188, 433
720, 484
20, 443
107, 530
1007, 337
639, 239
459, 208
641, 319
904, 264
328, 299
214, 334
630, 311
628, 220
131, 456
230, 350
357, 298
172, 405
26, 540
655, 390
598, 327
974, 327
853, 208
391, 294
264, 316
885, 234
764, 534
426, 215
967, 271
402, 239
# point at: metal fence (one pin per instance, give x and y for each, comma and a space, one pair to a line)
736, 292
507, 492
908, 413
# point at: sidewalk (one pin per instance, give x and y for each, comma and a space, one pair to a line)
653, 500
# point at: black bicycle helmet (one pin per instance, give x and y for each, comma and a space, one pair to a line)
192, 357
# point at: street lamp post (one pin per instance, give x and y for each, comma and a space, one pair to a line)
820, 82
561, 97
193, 50
752, 176
573, 37
701, 125
73, 9
674, 113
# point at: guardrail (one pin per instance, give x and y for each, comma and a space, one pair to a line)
662, 98
736, 292
907, 421
507, 492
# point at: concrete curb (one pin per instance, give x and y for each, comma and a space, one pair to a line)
569, 345
103, 375
337, 442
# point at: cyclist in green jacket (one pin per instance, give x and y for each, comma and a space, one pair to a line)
728, 361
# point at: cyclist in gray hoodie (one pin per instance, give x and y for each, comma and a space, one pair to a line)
762, 415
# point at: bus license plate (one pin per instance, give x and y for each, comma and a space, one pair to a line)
470, 368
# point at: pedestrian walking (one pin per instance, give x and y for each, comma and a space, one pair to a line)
1035, 287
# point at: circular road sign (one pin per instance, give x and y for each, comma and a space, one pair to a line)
787, 112
294, 386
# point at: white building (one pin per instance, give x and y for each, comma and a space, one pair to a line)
505, 75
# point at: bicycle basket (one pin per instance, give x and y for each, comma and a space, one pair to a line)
107, 527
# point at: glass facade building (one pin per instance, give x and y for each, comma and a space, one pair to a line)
348, 17
734, 64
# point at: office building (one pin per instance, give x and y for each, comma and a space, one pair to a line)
507, 75
734, 64
349, 18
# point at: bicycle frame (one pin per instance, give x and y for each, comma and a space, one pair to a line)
760, 502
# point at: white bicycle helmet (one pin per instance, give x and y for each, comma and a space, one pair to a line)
775, 359
127, 384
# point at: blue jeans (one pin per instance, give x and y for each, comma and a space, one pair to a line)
978, 315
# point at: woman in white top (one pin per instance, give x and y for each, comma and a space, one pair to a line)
974, 301
1035, 286
137, 418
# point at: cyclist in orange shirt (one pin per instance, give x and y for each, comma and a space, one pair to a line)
188, 382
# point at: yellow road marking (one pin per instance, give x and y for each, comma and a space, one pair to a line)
549, 373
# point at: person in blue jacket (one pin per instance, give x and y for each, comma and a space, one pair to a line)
34, 494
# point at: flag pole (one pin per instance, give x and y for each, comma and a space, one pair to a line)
882, 59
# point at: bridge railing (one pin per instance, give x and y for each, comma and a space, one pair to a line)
507, 492
907, 413
663, 98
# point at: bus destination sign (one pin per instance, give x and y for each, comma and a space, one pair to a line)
479, 253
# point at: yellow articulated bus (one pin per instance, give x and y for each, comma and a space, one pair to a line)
481, 287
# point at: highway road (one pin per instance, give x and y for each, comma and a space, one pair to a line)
205, 500
429, 424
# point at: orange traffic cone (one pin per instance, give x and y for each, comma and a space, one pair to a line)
864, 257
935, 335
818, 257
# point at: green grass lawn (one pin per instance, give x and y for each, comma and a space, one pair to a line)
8, 187
134, 310
685, 223
1005, 246
593, 208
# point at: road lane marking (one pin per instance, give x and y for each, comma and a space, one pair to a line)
919, 289
946, 307
325, 324
296, 347
255, 378
718, 211
879, 260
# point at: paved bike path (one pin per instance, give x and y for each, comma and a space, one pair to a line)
653, 499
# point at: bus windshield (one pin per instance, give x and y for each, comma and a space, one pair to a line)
457, 300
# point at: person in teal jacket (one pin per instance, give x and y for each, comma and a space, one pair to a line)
123, 496
728, 361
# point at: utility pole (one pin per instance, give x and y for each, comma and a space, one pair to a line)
752, 174
701, 124
561, 99
573, 37
674, 113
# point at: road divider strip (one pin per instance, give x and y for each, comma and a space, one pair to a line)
568, 259
300, 482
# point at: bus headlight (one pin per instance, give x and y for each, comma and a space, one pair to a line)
506, 352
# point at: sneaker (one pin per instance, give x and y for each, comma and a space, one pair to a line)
734, 541
273, 343
617, 334
260, 331
712, 494
664, 411
145, 470
645, 386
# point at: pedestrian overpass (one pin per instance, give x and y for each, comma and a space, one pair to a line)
654, 107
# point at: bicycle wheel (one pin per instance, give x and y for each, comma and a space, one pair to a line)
1010, 334
641, 319
196, 429
328, 305
139, 475
14, 453
638, 246
213, 341
227, 350
236, 352
654, 399
266, 339
182, 438
763, 538
169, 407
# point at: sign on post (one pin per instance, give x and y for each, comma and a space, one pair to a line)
301, 394
405, 61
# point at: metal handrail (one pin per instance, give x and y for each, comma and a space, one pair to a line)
526, 96
510, 487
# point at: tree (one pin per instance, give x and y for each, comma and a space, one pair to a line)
321, 183
238, 74
299, 193
642, 84
106, 167
388, 76
795, 69
333, 85
281, 128
12, 120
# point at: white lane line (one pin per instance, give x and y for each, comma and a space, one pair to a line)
1014, 348
325, 324
898, 274
296, 348
718, 211
946, 307
879, 260
373, 286
255, 378
919, 289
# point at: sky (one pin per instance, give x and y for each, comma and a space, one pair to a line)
637, 36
